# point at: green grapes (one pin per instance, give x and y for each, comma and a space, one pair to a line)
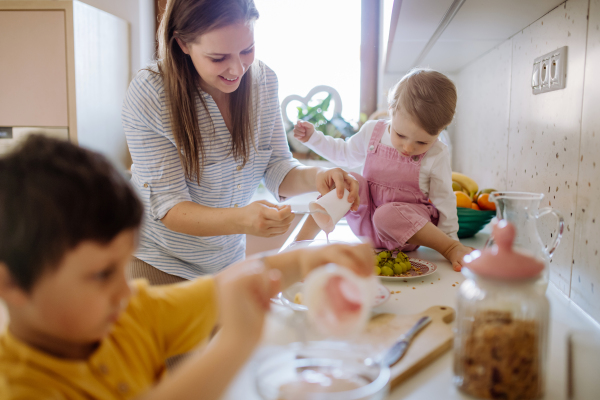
387, 265
387, 271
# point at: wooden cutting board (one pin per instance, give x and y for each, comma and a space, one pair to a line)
435, 339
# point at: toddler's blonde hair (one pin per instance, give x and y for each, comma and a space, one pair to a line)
428, 96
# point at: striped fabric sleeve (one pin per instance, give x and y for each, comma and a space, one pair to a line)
155, 157
281, 161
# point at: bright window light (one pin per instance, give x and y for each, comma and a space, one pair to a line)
312, 42
388, 5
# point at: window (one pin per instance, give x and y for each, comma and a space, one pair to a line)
312, 42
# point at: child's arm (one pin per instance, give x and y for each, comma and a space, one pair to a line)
296, 264
349, 153
243, 300
244, 291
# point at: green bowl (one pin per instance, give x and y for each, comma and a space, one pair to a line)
472, 221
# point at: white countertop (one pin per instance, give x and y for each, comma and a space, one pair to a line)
435, 380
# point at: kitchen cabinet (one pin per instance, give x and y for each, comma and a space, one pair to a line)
446, 35
64, 65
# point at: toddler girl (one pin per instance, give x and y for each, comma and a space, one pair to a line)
406, 196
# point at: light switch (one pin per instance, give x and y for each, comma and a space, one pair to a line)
550, 70
535, 77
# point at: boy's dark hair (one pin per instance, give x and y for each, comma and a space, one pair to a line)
53, 196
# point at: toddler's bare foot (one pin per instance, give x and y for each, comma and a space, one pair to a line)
455, 254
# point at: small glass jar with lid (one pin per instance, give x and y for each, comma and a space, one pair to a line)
502, 323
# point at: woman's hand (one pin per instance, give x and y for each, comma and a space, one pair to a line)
303, 131
359, 258
264, 219
328, 179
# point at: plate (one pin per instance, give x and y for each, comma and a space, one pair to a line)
420, 268
287, 296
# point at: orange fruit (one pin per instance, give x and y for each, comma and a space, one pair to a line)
484, 202
462, 200
474, 206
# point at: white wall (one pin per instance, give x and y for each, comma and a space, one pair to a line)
507, 138
140, 15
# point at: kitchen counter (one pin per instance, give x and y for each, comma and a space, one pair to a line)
440, 288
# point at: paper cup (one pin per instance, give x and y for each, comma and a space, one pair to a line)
334, 207
338, 301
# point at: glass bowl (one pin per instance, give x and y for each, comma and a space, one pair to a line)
321, 371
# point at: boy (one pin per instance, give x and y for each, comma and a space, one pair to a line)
78, 329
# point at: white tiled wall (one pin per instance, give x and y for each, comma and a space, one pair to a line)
585, 281
480, 140
507, 138
544, 129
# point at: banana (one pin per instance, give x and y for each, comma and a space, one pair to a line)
489, 190
456, 187
466, 183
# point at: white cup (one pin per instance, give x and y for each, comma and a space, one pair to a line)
334, 209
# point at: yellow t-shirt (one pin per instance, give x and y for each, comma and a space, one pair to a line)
159, 322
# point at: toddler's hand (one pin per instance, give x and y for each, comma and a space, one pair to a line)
244, 291
303, 131
359, 258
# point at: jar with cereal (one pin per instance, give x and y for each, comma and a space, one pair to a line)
501, 323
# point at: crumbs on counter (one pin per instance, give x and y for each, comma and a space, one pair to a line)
405, 280
432, 283
453, 285
414, 287
298, 298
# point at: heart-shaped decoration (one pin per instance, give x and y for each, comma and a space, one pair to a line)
295, 144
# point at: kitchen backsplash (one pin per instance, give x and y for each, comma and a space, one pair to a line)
509, 139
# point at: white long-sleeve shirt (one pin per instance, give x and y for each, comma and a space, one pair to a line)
435, 176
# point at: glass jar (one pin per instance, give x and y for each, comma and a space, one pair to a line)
501, 323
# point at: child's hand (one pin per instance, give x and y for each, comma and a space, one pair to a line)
244, 292
303, 131
359, 258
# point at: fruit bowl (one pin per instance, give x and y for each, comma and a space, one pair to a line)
471, 221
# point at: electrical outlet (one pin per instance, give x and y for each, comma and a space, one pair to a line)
550, 71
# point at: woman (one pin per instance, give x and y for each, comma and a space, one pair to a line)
204, 128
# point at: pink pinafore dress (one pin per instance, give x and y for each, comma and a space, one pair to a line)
392, 206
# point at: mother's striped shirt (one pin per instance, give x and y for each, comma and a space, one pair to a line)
159, 177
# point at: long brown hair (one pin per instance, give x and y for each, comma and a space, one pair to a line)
186, 20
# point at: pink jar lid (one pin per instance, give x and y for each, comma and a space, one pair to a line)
501, 261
